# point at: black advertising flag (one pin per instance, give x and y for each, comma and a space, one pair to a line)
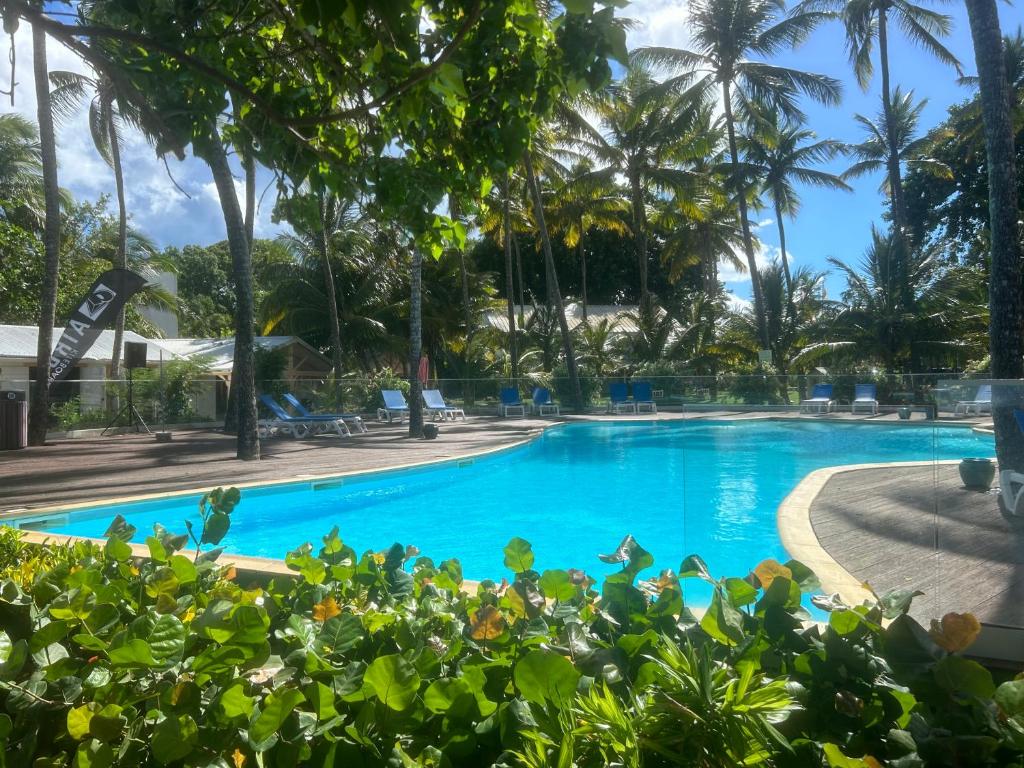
97, 311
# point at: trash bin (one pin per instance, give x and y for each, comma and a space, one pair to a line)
13, 420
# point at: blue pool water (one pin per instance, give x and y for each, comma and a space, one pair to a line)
706, 487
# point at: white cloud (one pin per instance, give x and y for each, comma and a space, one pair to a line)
658, 23
155, 205
737, 303
765, 254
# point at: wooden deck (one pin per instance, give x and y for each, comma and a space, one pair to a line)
919, 528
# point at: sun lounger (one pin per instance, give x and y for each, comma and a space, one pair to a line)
394, 405
1011, 484
542, 402
643, 399
299, 427
618, 398
865, 396
982, 402
354, 420
436, 407
820, 400
510, 402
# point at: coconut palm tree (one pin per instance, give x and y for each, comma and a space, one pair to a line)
39, 411
109, 115
21, 172
598, 346
730, 39
648, 130
873, 153
783, 154
866, 23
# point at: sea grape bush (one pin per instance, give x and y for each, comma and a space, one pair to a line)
390, 659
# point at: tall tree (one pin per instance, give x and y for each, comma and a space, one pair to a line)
1006, 312
39, 412
728, 36
866, 23
415, 342
783, 154
506, 237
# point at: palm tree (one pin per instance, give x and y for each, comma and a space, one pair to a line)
21, 172
39, 412
581, 203
873, 153
598, 346
109, 114
727, 35
648, 130
1007, 312
867, 21
781, 155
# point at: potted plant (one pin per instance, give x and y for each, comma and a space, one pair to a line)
977, 474
904, 412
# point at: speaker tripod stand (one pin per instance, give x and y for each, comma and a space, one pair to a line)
129, 412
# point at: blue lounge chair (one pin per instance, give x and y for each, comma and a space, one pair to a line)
865, 396
354, 420
982, 402
436, 407
299, 427
542, 402
618, 398
643, 397
820, 400
510, 402
394, 405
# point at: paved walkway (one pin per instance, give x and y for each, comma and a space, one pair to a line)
919, 528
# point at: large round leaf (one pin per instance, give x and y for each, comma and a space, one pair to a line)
394, 681
544, 676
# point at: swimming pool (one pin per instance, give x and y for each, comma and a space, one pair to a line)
705, 487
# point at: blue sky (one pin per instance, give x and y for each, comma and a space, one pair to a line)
830, 223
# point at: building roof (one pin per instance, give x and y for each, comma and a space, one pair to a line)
620, 314
18, 342
219, 354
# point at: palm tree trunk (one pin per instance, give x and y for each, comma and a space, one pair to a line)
640, 238
331, 297
555, 293
468, 392
415, 343
519, 275
583, 273
782, 250
1005, 301
39, 412
893, 153
513, 350
748, 242
120, 257
243, 382
710, 272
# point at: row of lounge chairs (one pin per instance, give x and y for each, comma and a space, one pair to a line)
395, 406
865, 396
305, 424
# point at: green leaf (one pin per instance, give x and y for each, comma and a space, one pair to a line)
844, 621
78, 721
545, 676
275, 710
173, 738
897, 601
167, 638
518, 555
322, 699
1010, 697
93, 754
118, 550
235, 703
556, 585
340, 633
740, 592
215, 528
441, 694
836, 758
394, 681
692, 566
183, 569
134, 653
722, 622
959, 675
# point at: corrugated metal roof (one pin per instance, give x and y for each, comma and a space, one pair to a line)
220, 353
619, 313
19, 342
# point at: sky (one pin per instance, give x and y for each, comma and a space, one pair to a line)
830, 223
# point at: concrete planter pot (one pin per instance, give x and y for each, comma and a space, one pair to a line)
977, 474
904, 413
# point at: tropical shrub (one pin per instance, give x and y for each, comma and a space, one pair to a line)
366, 392
388, 659
167, 395
69, 415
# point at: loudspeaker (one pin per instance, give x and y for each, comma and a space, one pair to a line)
134, 354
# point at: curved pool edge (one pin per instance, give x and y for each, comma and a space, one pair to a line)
796, 532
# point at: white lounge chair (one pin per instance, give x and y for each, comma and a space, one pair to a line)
865, 396
353, 420
982, 402
295, 426
820, 400
1011, 491
437, 408
394, 405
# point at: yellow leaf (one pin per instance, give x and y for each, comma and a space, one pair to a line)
325, 609
230, 573
956, 631
378, 558
238, 758
768, 570
871, 762
488, 624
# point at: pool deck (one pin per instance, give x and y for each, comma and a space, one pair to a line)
918, 528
